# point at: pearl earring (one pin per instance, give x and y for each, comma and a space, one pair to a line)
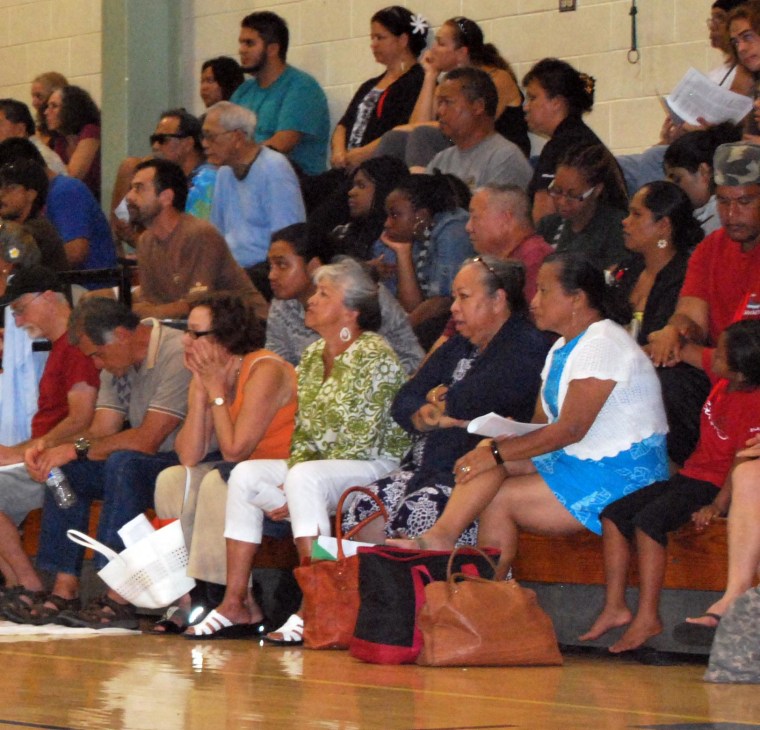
345, 334
662, 243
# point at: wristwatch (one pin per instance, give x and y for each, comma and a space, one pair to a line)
82, 447
218, 401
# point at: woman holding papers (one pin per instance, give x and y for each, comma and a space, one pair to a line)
605, 432
493, 363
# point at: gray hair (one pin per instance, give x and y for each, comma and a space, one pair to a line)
360, 292
98, 318
233, 117
506, 274
509, 198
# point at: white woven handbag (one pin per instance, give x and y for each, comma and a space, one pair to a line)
152, 572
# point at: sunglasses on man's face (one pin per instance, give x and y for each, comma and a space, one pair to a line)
163, 138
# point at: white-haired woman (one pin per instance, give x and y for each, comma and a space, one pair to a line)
344, 436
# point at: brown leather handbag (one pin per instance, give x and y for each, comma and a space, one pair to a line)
473, 621
331, 587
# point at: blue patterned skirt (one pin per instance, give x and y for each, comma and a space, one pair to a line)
586, 486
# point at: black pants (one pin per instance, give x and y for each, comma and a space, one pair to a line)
661, 507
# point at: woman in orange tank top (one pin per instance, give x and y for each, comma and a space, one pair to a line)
242, 404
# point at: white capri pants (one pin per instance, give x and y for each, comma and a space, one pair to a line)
197, 495
312, 489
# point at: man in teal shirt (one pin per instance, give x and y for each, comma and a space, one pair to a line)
290, 105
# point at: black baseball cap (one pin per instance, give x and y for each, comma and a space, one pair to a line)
29, 280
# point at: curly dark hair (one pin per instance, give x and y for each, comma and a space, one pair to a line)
235, 323
77, 110
559, 78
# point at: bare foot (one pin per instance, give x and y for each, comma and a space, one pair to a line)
637, 634
709, 619
607, 619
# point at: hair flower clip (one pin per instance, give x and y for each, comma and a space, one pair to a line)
419, 25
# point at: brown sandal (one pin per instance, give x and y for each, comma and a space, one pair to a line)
101, 613
18, 602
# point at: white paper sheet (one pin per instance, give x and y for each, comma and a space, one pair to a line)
494, 425
697, 96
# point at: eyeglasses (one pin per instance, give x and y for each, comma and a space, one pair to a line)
211, 136
162, 138
18, 311
749, 36
195, 334
557, 193
715, 22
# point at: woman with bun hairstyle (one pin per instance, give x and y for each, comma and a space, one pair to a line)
556, 98
397, 38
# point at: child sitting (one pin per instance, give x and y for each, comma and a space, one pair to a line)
699, 491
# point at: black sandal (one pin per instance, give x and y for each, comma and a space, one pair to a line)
174, 621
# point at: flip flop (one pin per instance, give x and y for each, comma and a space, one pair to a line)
291, 631
693, 634
174, 621
217, 626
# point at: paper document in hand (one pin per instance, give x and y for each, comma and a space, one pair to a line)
697, 96
494, 425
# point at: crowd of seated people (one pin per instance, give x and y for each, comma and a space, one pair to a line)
540, 288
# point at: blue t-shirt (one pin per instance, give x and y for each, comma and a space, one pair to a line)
247, 212
72, 209
201, 193
296, 102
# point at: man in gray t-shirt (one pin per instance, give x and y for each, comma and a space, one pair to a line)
466, 102
141, 402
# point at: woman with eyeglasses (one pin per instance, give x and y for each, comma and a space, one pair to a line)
493, 363
74, 118
459, 42
220, 77
590, 198
42, 87
604, 432
241, 403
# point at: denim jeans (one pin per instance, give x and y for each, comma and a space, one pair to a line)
125, 482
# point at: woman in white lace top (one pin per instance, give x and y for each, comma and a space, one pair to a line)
605, 432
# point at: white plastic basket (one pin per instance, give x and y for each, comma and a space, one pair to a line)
152, 573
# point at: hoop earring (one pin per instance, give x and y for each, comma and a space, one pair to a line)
345, 334
662, 243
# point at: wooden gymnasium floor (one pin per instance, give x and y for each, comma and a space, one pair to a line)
168, 683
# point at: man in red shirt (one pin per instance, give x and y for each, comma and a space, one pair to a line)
66, 404
722, 283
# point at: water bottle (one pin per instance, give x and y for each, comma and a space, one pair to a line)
60, 488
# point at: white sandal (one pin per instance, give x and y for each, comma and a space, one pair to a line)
218, 626
291, 632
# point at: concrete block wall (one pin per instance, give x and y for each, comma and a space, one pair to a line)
330, 39
49, 35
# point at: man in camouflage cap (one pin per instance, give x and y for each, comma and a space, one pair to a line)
722, 283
